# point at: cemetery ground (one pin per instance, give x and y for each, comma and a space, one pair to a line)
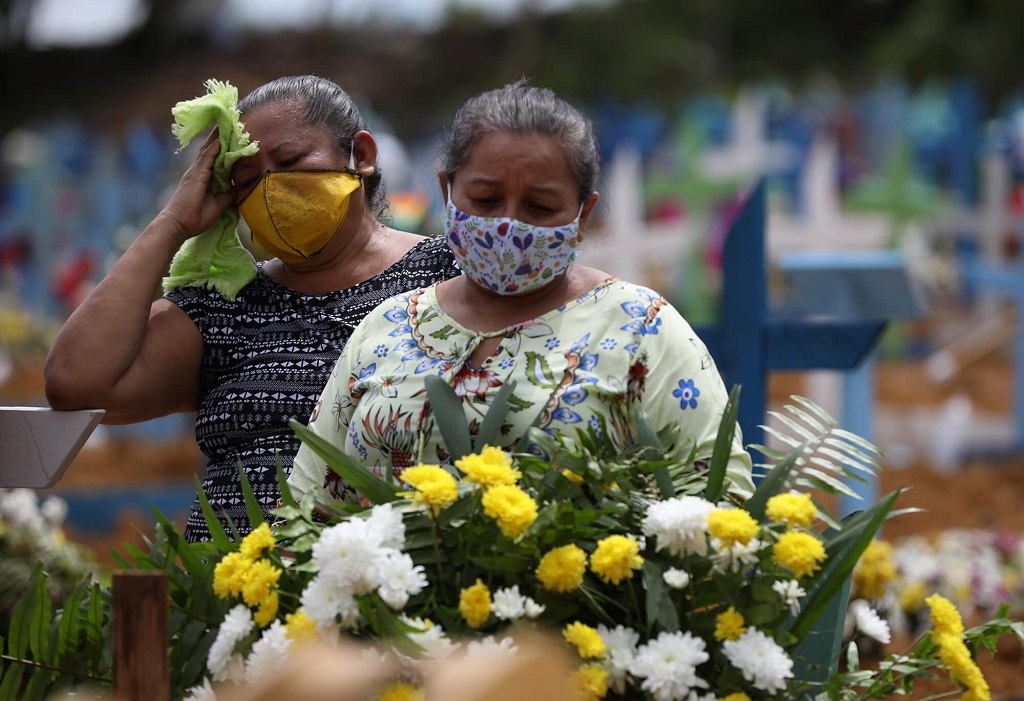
981, 489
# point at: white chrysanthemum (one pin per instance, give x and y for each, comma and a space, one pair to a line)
508, 604
54, 510
490, 647
620, 650
20, 508
346, 554
668, 665
676, 578
399, 578
679, 524
236, 625
760, 659
324, 601
201, 692
737, 557
387, 523
868, 622
791, 592
430, 637
532, 609
269, 654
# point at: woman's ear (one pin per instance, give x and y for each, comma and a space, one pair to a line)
442, 180
588, 207
364, 153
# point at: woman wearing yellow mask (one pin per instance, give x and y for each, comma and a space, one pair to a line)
310, 195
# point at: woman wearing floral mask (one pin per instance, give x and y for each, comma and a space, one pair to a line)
310, 195
518, 171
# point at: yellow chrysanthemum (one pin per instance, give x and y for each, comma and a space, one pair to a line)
801, 553
300, 628
256, 543
793, 509
591, 682
491, 467
616, 558
435, 487
732, 526
511, 507
267, 611
911, 597
400, 691
729, 625
475, 604
875, 569
956, 658
737, 696
561, 569
259, 582
585, 639
230, 574
945, 616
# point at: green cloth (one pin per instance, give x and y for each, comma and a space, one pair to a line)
216, 257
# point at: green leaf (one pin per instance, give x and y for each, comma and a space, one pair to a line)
490, 426
372, 487
282, 482
772, 483
11, 683
659, 606
252, 507
69, 625
723, 447
450, 417
217, 533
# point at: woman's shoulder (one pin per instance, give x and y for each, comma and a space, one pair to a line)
431, 253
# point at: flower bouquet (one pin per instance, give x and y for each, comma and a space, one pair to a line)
659, 581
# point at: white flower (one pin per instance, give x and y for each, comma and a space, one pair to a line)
269, 653
532, 609
490, 647
221, 659
323, 600
400, 578
54, 510
791, 592
737, 557
19, 507
202, 692
868, 622
430, 637
346, 554
387, 523
620, 650
760, 659
668, 665
508, 603
679, 524
676, 578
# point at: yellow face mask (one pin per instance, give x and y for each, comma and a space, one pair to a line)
293, 214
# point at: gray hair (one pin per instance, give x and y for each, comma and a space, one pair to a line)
324, 105
522, 109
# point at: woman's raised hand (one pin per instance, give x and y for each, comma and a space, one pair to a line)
192, 208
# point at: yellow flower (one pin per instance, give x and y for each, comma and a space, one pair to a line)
615, 558
732, 526
259, 579
591, 682
944, 615
475, 604
562, 569
729, 625
874, 571
400, 691
912, 596
267, 610
511, 507
738, 696
435, 487
585, 639
572, 477
799, 552
300, 628
229, 575
260, 540
956, 658
490, 467
793, 509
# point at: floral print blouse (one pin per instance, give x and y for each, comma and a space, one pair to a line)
612, 348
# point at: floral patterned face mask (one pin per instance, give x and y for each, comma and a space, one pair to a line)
508, 256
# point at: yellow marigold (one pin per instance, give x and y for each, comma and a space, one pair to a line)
435, 487
267, 611
511, 507
956, 658
561, 569
300, 628
257, 542
229, 575
944, 615
729, 624
259, 581
616, 558
875, 569
591, 682
400, 691
585, 639
732, 526
801, 553
738, 696
490, 467
475, 604
793, 509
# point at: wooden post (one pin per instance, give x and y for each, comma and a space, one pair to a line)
141, 670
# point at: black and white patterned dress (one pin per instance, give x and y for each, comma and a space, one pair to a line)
266, 358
